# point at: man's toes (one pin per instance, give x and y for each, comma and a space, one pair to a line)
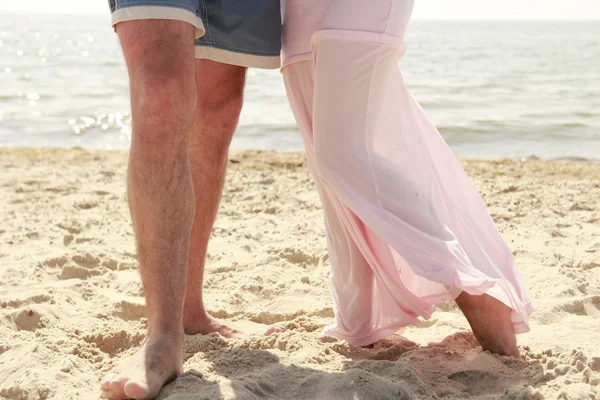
137, 390
116, 387
105, 385
118, 382
113, 394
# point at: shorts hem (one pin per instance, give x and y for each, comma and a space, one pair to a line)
236, 58
157, 12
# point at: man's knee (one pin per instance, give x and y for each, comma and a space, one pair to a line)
163, 110
220, 88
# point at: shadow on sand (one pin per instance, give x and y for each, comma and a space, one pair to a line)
395, 368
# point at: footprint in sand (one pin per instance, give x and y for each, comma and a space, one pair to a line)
114, 342
129, 310
26, 319
589, 305
475, 382
77, 272
27, 300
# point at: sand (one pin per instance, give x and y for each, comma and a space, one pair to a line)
72, 305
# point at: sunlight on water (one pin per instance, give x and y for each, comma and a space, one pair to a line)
493, 89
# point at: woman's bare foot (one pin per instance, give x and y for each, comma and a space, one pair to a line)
147, 371
491, 323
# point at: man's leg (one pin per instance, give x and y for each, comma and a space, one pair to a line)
160, 60
220, 95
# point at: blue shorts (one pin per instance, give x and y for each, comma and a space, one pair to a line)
236, 32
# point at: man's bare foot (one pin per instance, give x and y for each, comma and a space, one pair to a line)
147, 371
491, 323
201, 323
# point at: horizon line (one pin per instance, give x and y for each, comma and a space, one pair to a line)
465, 19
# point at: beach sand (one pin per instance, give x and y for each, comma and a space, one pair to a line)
72, 306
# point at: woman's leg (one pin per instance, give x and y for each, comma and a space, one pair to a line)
398, 190
376, 149
355, 266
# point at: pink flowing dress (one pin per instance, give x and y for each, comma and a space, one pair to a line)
406, 228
